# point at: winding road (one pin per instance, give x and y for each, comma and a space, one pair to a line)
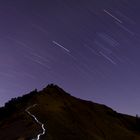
37, 121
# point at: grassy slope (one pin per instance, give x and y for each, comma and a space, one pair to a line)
68, 118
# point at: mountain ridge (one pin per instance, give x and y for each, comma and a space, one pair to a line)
64, 117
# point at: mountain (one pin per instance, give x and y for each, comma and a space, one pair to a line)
63, 117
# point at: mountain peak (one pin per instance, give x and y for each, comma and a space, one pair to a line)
64, 117
54, 89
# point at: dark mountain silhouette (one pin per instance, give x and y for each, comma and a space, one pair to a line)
64, 117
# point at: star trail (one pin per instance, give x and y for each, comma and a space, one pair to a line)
91, 48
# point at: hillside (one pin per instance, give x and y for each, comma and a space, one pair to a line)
64, 117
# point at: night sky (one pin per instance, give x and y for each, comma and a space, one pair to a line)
90, 48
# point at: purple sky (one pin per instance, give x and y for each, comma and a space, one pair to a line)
91, 48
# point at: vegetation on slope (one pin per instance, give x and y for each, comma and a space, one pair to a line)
65, 117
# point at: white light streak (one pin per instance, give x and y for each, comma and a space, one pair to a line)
126, 29
42, 125
61, 46
105, 56
40, 62
112, 16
